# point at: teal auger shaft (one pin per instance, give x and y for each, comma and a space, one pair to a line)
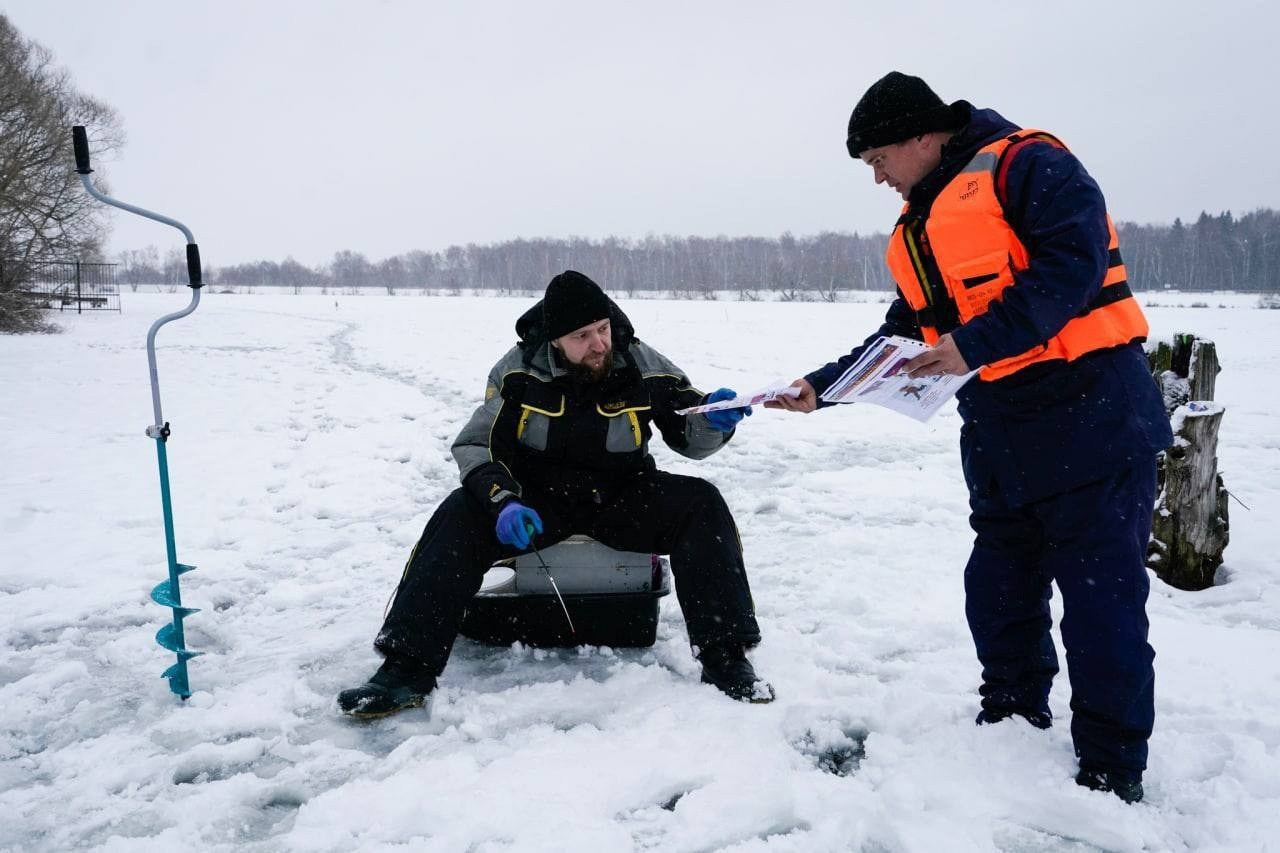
166, 593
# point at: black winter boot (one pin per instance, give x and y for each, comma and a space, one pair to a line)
398, 684
1039, 719
1125, 784
729, 671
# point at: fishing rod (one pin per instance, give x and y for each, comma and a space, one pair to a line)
547, 571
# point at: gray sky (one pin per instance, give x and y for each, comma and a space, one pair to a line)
276, 127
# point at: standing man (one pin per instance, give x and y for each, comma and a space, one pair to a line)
1006, 261
561, 446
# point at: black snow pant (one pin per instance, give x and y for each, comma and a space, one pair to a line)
1091, 541
652, 513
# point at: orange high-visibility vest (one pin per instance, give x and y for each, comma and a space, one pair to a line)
976, 255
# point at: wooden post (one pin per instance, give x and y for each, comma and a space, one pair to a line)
1190, 527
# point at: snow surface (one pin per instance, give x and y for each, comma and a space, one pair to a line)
310, 445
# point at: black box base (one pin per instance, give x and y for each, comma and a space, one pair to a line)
624, 620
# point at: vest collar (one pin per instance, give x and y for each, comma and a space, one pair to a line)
982, 128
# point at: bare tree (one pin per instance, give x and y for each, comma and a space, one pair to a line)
139, 266
175, 269
44, 214
422, 268
351, 270
296, 275
392, 274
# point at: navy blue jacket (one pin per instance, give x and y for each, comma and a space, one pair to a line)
1052, 426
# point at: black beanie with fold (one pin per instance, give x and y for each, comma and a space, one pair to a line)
572, 301
896, 108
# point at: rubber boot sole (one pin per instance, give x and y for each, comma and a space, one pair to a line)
379, 703
365, 716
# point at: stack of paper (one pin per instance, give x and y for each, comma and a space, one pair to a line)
877, 377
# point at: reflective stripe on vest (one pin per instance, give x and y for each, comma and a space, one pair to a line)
976, 255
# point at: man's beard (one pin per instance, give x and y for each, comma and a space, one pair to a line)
587, 373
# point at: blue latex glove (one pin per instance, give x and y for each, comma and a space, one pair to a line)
724, 420
514, 523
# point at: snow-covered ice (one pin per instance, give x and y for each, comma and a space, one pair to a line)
311, 442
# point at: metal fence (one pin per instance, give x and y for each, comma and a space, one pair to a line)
62, 285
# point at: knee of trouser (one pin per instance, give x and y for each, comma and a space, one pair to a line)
460, 506
1122, 650
1008, 536
702, 493
458, 500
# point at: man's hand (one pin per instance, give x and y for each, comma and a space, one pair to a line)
514, 523
725, 420
806, 402
944, 359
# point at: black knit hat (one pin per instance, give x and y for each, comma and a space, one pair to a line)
895, 108
571, 302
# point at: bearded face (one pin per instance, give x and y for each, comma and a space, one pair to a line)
588, 351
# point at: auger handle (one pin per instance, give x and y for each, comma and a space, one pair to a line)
80, 140
194, 278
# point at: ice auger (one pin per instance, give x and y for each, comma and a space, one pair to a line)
166, 593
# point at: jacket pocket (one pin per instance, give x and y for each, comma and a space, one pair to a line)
625, 434
975, 283
533, 430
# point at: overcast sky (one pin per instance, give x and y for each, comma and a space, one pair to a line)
300, 128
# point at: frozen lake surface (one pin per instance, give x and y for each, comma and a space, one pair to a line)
311, 442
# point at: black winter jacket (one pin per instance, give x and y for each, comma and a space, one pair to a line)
547, 428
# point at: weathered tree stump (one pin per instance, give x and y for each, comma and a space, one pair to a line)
1190, 527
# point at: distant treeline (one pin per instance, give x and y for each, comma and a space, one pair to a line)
1215, 253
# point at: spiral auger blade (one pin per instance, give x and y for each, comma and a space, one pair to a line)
171, 636
168, 593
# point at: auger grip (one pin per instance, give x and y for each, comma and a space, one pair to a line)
194, 278
80, 140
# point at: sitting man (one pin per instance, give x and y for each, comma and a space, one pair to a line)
561, 446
